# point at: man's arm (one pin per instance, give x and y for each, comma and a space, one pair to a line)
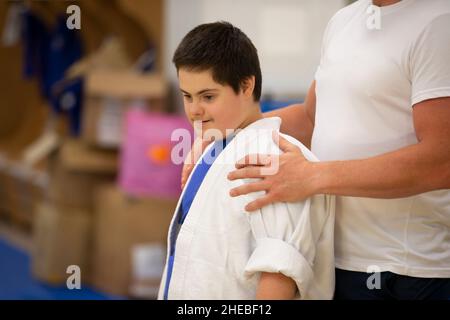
298, 119
415, 169
422, 167
275, 286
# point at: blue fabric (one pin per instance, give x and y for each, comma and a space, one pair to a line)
169, 275
64, 49
197, 178
35, 38
194, 184
69, 100
47, 56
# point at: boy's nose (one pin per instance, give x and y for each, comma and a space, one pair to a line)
196, 109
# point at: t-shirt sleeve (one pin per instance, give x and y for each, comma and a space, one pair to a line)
430, 61
326, 38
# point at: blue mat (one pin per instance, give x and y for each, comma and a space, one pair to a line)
17, 283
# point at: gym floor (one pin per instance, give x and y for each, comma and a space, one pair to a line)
16, 281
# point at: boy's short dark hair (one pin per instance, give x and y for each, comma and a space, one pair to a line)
224, 49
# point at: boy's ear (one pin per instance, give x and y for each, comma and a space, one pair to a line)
248, 86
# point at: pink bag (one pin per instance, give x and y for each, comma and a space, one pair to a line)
147, 167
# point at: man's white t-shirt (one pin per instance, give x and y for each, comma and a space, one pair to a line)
367, 83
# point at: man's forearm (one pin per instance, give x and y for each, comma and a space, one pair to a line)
408, 171
295, 122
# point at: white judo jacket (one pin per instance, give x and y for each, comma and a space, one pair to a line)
221, 249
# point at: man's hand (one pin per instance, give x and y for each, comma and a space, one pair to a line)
196, 152
295, 179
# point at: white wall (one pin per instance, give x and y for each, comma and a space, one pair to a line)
287, 34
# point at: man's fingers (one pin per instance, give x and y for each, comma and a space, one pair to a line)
245, 173
198, 147
183, 182
196, 151
187, 169
259, 203
282, 143
254, 160
249, 188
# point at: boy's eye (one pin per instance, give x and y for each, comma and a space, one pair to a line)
209, 98
187, 97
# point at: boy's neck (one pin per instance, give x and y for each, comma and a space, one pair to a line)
253, 116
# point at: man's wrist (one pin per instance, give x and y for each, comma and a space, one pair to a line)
322, 177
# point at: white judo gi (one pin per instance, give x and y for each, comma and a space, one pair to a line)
221, 249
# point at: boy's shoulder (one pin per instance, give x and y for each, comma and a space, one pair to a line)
306, 152
258, 139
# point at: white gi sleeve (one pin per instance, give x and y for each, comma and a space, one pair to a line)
285, 234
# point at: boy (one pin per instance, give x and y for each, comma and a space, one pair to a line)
216, 250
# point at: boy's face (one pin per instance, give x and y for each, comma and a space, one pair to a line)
214, 105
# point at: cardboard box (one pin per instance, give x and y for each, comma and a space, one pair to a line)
68, 177
4, 187
21, 187
62, 225
77, 170
61, 238
109, 94
120, 224
24, 188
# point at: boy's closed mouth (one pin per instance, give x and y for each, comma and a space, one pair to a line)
203, 121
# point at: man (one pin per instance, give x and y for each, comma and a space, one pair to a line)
378, 117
